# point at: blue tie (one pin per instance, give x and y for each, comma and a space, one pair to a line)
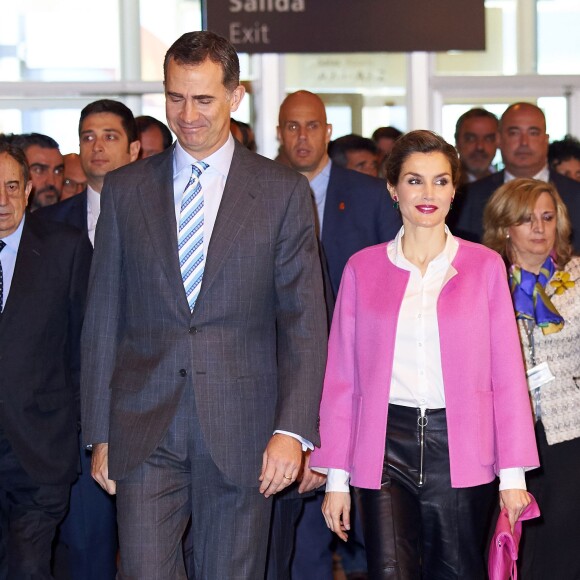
2, 244
190, 235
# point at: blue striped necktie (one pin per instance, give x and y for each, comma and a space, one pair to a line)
190, 235
2, 244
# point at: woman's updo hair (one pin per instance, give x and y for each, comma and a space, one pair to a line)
420, 141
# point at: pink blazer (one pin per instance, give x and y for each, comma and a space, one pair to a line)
490, 425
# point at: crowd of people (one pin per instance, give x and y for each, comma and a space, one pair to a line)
218, 366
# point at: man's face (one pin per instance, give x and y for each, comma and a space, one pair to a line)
523, 141
198, 106
362, 161
46, 172
570, 168
104, 146
75, 179
476, 144
14, 194
304, 133
151, 142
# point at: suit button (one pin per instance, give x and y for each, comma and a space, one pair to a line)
183, 372
193, 330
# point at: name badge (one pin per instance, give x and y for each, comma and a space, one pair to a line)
539, 376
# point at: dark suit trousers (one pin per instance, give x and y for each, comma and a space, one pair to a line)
87, 547
29, 514
229, 523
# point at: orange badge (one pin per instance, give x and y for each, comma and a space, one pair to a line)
341, 206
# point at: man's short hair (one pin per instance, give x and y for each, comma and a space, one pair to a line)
18, 155
386, 133
194, 48
26, 140
145, 122
338, 149
475, 113
559, 151
116, 108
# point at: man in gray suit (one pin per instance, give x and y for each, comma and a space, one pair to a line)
203, 355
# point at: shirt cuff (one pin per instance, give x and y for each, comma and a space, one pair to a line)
337, 480
306, 445
512, 478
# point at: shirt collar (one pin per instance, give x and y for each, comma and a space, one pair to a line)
12, 241
542, 175
443, 260
219, 160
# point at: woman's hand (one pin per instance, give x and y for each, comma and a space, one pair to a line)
336, 511
515, 501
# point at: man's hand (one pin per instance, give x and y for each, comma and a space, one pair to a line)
336, 512
280, 463
310, 479
100, 468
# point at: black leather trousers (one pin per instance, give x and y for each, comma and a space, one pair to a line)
417, 527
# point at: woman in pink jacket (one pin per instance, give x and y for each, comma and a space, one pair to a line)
425, 398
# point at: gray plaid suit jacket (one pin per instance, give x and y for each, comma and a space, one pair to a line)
254, 349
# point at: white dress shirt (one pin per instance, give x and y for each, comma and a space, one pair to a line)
417, 377
93, 212
542, 175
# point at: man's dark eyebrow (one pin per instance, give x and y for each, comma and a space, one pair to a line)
39, 165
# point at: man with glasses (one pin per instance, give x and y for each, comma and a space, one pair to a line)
75, 179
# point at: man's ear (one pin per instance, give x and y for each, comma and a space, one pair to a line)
328, 132
134, 149
27, 190
236, 97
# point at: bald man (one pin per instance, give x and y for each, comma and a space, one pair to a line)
353, 211
523, 142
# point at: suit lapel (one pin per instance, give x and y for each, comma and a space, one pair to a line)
237, 205
156, 196
29, 265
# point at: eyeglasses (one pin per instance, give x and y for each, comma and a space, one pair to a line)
72, 186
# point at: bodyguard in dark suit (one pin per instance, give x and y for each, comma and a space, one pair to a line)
353, 212
108, 140
43, 278
524, 148
205, 337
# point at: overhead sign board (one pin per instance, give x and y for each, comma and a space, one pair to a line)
348, 25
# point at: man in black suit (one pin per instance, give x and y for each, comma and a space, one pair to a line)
205, 338
353, 211
108, 140
43, 277
523, 142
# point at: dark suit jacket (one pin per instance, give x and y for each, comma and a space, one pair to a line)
254, 349
470, 220
71, 211
39, 359
357, 213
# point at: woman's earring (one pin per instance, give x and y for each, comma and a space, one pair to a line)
396, 202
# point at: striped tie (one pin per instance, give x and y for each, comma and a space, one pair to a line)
190, 235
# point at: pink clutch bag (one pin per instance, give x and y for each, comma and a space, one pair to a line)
503, 551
